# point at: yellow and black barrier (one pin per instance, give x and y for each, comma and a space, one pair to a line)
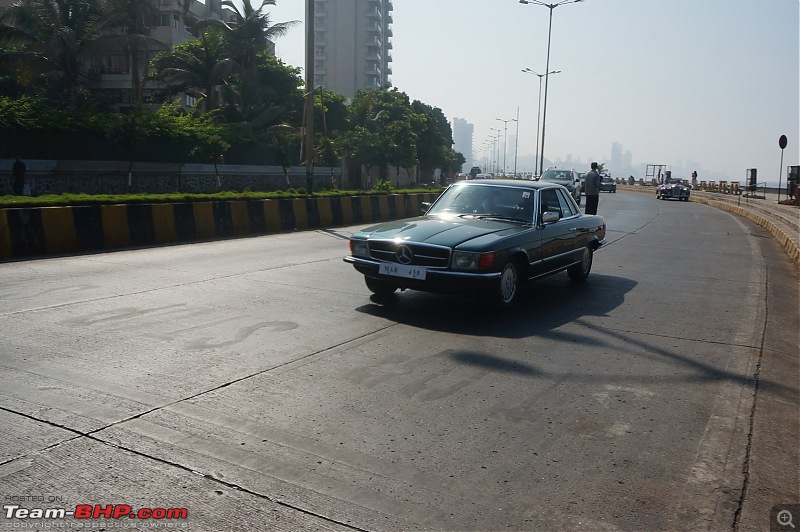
55, 230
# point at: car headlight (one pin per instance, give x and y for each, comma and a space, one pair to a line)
464, 260
467, 260
359, 248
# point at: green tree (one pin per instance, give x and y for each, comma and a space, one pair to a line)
435, 138
125, 28
198, 68
48, 37
383, 131
276, 98
250, 33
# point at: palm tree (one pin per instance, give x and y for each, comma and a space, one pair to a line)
49, 36
199, 68
251, 32
125, 27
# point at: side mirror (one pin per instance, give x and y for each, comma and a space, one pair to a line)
550, 217
425, 206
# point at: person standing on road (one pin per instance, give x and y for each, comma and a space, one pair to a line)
694, 180
592, 190
19, 177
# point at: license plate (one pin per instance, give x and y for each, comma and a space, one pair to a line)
402, 270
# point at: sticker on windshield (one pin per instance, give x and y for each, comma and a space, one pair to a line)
526, 194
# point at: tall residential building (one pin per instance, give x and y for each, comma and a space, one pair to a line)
352, 44
462, 139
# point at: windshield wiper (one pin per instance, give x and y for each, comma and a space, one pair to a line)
503, 218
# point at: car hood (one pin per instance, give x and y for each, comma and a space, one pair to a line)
443, 231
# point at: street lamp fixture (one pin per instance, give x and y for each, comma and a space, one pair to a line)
536, 170
551, 7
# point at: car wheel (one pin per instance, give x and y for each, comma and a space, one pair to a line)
378, 287
505, 292
580, 271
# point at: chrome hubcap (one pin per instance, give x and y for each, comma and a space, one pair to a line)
508, 283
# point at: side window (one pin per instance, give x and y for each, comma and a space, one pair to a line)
567, 206
549, 201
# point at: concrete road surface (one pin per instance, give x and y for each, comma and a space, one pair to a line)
254, 384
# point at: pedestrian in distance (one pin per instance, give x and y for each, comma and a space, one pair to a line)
592, 190
18, 185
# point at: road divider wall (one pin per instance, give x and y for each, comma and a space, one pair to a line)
26, 232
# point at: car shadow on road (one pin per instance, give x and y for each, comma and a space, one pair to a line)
543, 305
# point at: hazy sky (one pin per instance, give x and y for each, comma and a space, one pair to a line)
710, 84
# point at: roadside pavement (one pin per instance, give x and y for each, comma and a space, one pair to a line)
782, 221
772, 467
772, 471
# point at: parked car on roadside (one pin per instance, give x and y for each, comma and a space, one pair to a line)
481, 236
570, 179
674, 188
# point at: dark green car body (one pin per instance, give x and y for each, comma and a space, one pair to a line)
483, 235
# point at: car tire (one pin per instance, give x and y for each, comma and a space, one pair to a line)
379, 288
580, 271
504, 294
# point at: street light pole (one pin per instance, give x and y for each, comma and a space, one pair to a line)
497, 161
505, 141
516, 142
551, 7
538, 171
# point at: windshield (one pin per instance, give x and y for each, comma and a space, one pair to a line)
486, 201
557, 175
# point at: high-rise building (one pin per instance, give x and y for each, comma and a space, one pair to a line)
352, 44
462, 140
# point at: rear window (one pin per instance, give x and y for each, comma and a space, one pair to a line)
556, 175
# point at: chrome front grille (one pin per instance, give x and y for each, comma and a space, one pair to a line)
421, 254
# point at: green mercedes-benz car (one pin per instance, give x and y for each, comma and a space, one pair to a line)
486, 235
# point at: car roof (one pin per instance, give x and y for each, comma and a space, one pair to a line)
518, 183
559, 172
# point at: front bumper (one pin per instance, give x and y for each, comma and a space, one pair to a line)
436, 280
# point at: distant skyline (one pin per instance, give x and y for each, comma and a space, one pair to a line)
700, 85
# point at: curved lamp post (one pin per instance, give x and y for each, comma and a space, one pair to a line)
536, 170
551, 7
